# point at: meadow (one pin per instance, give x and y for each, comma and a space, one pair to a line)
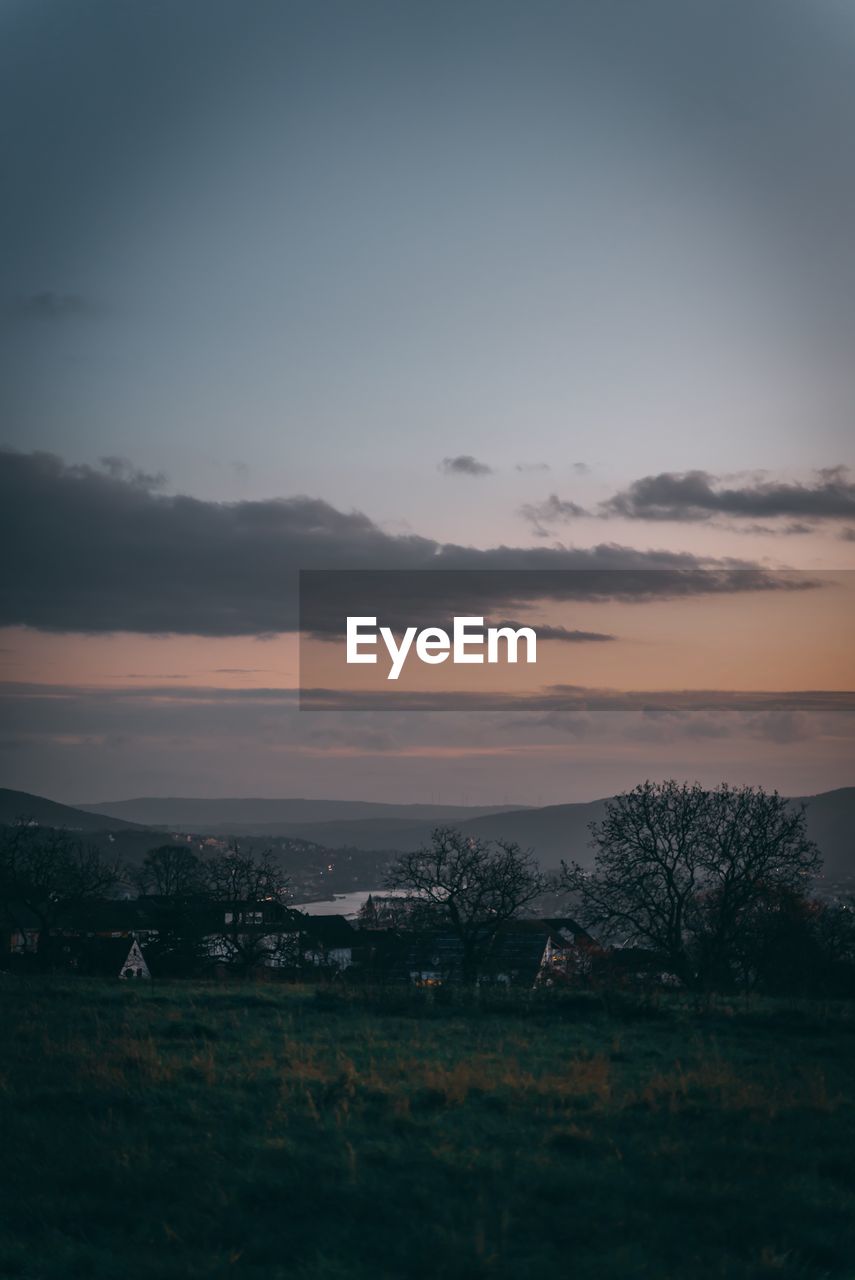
262, 1131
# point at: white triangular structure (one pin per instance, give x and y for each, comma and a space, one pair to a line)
135, 965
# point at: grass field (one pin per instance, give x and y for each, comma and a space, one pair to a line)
264, 1131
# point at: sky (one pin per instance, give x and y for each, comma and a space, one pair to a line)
407, 285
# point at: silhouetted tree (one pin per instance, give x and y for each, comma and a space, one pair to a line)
470, 886
50, 874
683, 871
175, 877
172, 871
801, 946
239, 875
248, 893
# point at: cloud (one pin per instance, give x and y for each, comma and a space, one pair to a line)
124, 470
698, 495
792, 527
69, 708
464, 465
552, 511
532, 466
157, 675
239, 671
107, 550
504, 581
781, 726
562, 634
581, 468
78, 742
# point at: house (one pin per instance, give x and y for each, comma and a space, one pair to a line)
270, 935
120, 958
139, 918
134, 965
525, 952
103, 919
249, 934
327, 942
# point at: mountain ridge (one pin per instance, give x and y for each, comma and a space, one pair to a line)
223, 812
25, 806
553, 832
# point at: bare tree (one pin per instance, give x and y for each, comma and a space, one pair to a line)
172, 872
250, 923
49, 874
239, 875
174, 876
472, 887
682, 870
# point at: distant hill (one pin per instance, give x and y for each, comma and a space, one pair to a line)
18, 805
561, 830
552, 832
831, 823
274, 817
557, 831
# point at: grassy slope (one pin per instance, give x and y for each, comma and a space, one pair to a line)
166, 1131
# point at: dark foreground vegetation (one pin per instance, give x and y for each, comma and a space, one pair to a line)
259, 1130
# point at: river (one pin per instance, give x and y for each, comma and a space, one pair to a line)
345, 904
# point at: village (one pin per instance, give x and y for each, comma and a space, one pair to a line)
136, 940
741, 879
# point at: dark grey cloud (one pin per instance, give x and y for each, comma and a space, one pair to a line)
123, 469
790, 529
562, 634
481, 583
102, 550
698, 495
532, 466
464, 465
552, 511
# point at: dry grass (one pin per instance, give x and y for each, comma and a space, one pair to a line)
204, 1131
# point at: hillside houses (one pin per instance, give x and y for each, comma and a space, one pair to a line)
121, 958
169, 936
526, 953
148, 937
